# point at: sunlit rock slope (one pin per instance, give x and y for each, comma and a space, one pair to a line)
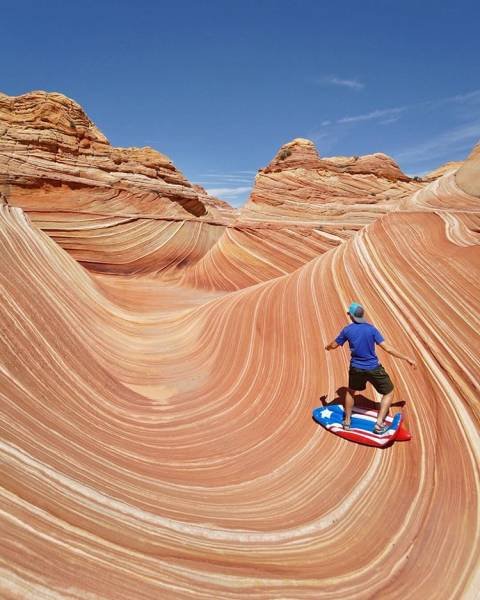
301, 206
126, 210
155, 431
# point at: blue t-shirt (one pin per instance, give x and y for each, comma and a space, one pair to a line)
362, 338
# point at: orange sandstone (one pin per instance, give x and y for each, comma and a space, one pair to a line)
155, 430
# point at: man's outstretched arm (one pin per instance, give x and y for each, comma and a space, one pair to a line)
391, 350
332, 345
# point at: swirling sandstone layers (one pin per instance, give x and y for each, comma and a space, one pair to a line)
131, 211
468, 175
102, 204
156, 439
213, 482
301, 206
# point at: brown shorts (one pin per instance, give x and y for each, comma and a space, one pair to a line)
357, 379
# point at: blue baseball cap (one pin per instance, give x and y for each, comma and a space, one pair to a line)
357, 313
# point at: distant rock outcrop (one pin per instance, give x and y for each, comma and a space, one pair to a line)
468, 176
302, 153
97, 201
301, 206
299, 184
48, 138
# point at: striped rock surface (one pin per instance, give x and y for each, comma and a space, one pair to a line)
301, 206
125, 210
130, 211
156, 438
145, 455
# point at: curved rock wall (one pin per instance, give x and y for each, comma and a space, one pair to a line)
300, 207
156, 437
190, 465
57, 166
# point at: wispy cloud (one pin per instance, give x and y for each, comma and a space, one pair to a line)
445, 144
220, 179
390, 120
459, 114
454, 142
229, 193
352, 84
232, 186
467, 98
395, 113
374, 114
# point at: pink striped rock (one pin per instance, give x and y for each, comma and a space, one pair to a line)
156, 437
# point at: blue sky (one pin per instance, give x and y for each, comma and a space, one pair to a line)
220, 85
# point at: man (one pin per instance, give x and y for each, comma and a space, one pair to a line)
364, 364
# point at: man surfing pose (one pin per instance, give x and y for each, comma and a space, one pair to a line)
364, 364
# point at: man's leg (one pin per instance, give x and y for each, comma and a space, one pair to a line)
349, 404
383, 384
384, 407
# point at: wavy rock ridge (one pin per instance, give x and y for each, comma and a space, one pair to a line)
301, 206
100, 203
145, 455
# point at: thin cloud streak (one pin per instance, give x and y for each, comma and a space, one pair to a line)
443, 145
352, 84
229, 192
391, 120
464, 106
210, 174
374, 114
222, 179
432, 104
458, 98
229, 186
226, 178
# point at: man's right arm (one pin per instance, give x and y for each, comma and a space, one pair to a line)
331, 345
338, 341
391, 350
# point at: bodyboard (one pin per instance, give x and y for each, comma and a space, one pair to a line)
362, 423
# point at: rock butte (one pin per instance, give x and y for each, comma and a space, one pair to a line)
100, 203
145, 455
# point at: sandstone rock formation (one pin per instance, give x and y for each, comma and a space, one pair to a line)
301, 206
338, 190
156, 434
100, 203
468, 176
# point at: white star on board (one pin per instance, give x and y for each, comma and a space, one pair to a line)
326, 413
